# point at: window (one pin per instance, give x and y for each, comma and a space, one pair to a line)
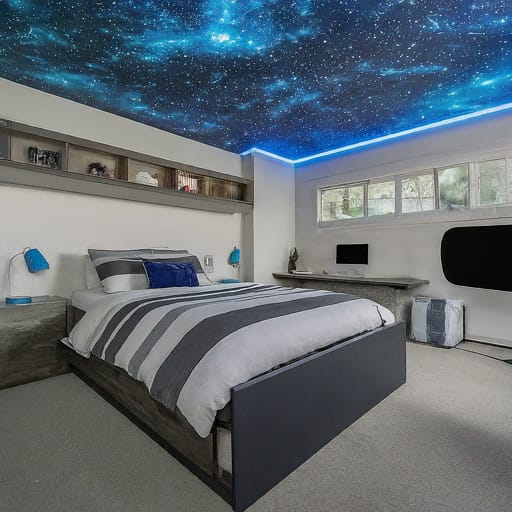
459, 186
342, 203
454, 186
492, 182
418, 193
381, 198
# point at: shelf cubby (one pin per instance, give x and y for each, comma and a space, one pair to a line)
81, 160
4, 140
38, 151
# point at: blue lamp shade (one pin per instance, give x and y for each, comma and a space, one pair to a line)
35, 261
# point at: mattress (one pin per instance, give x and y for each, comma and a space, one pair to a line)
191, 346
86, 299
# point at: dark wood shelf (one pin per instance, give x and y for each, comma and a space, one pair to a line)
26, 175
405, 283
205, 189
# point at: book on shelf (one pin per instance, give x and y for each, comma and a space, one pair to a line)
302, 271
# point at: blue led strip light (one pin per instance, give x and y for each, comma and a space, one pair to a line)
378, 140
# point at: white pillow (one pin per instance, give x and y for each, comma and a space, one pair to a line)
92, 280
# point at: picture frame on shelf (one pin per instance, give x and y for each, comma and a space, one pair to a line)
43, 157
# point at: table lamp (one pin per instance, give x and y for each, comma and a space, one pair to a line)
35, 262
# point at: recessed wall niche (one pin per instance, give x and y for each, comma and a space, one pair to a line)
53, 154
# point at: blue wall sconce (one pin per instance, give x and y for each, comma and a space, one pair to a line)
234, 258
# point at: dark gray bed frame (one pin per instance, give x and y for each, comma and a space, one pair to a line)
279, 419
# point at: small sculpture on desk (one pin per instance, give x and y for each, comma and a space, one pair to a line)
294, 256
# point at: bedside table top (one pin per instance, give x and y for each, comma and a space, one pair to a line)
40, 299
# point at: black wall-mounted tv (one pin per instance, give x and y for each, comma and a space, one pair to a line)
352, 254
478, 256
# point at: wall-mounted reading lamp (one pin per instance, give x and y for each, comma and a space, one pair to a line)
234, 258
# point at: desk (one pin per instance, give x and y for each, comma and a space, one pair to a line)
395, 293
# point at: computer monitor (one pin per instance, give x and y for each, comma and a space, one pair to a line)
356, 254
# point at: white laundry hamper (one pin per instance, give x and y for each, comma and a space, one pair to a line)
439, 321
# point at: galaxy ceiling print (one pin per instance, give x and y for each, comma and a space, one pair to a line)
291, 77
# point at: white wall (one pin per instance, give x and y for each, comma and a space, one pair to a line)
35, 108
273, 217
64, 225
408, 246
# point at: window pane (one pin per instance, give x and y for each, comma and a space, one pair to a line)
418, 193
381, 198
493, 182
453, 186
343, 203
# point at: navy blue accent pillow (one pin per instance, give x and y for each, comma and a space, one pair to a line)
167, 274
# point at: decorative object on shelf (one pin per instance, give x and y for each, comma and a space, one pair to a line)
98, 169
234, 258
294, 256
35, 262
43, 157
187, 182
208, 263
144, 178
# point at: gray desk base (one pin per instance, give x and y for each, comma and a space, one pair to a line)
397, 300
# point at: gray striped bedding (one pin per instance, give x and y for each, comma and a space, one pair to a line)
190, 346
121, 271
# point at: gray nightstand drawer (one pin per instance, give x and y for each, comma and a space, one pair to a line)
29, 335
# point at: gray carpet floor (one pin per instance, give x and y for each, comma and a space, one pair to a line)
497, 352
443, 442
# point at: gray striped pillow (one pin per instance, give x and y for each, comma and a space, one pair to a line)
121, 271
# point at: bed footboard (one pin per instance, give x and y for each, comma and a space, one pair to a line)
282, 418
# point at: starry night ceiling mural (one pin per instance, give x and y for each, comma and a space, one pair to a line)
291, 77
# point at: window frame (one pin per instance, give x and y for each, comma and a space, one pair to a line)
344, 185
407, 176
508, 182
437, 214
438, 189
376, 181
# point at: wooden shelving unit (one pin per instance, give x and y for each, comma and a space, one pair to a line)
40, 158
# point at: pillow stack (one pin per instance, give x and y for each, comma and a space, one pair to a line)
121, 271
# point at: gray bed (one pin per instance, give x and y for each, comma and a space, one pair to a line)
275, 420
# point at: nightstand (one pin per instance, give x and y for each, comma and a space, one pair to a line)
29, 335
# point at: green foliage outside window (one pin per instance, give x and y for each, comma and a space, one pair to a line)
454, 187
